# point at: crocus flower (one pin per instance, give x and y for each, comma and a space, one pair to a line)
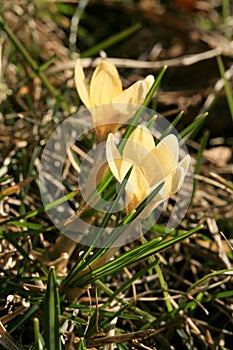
151, 165
106, 90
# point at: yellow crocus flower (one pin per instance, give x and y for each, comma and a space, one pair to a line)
151, 165
106, 99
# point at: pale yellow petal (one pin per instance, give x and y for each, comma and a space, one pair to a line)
185, 162
103, 121
108, 118
142, 135
139, 144
137, 189
113, 157
135, 94
152, 169
183, 166
126, 164
167, 153
105, 84
81, 84
172, 181
149, 80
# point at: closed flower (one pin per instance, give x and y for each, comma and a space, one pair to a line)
106, 99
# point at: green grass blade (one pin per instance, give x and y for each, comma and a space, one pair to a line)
172, 126
113, 315
220, 295
226, 18
84, 262
81, 345
21, 320
228, 91
131, 216
111, 41
74, 25
194, 126
137, 310
52, 313
164, 288
39, 341
209, 276
41, 210
155, 86
121, 190
133, 256
129, 282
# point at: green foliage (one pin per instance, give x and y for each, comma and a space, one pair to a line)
52, 313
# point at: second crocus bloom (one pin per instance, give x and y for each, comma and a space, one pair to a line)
105, 98
151, 165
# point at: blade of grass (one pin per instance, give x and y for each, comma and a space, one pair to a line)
220, 295
11, 239
131, 216
161, 280
111, 41
28, 225
137, 310
154, 87
129, 282
226, 18
22, 319
193, 127
172, 126
133, 256
39, 341
228, 91
164, 288
211, 275
52, 313
119, 231
203, 298
81, 345
115, 202
40, 210
118, 313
